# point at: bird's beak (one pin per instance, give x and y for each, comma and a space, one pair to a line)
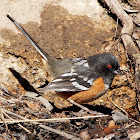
118, 72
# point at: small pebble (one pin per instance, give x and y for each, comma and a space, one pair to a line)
85, 135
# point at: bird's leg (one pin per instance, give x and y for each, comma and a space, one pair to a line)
85, 108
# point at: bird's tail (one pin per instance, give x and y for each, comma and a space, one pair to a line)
30, 39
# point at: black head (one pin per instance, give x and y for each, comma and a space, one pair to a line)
105, 64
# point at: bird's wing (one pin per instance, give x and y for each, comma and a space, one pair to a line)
79, 78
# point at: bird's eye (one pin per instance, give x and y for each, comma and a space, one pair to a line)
109, 66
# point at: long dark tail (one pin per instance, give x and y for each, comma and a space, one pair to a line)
30, 39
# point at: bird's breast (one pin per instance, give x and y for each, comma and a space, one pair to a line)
95, 91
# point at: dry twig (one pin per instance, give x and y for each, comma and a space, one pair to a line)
45, 120
18, 124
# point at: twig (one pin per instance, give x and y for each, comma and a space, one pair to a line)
18, 124
134, 120
128, 126
129, 10
3, 120
116, 28
45, 120
6, 100
53, 120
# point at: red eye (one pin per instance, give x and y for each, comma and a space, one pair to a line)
109, 66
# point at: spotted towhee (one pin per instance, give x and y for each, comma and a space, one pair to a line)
85, 78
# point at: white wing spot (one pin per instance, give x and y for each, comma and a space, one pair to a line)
79, 86
57, 80
62, 89
106, 86
90, 81
81, 62
68, 74
73, 79
83, 77
76, 59
51, 85
86, 65
72, 70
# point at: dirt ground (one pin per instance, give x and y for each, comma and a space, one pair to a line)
62, 35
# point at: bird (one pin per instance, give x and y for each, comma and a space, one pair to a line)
78, 80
